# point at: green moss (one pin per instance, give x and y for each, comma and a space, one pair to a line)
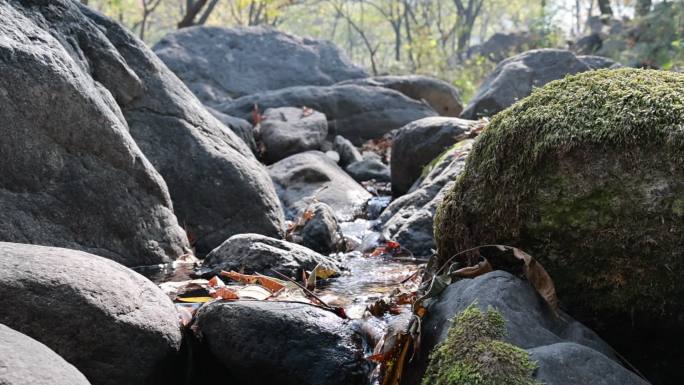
433, 163
474, 354
587, 175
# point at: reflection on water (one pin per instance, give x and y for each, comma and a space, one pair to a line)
367, 280
167, 272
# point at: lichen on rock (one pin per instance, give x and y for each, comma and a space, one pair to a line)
474, 353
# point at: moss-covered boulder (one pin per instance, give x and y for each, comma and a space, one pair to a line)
475, 353
587, 175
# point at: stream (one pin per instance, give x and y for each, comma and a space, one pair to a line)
365, 279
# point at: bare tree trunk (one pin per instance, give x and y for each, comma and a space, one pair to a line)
605, 8
148, 7
578, 18
372, 51
467, 14
194, 8
643, 7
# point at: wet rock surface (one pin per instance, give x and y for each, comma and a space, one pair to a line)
223, 63
253, 253
287, 343
25, 361
356, 112
111, 323
302, 177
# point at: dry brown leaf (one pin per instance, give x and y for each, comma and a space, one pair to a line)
539, 278
483, 267
269, 283
225, 293
216, 282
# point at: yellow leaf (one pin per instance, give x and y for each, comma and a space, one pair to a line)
195, 299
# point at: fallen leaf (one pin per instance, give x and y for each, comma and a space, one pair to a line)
539, 278
225, 293
483, 267
195, 299
272, 284
216, 282
255, 292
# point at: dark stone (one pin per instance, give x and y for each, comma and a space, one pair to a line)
287, 131
356, 112
113, 324
262, 342
567, 363
515, 77
438, 94
409, 218
254, 253
223, 63
420, 142
212, 175
240, 127
321, 233
71, 174
530, 324
369, 168
348, 152
311, 176
25, 361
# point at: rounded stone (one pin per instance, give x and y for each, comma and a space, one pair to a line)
586, 175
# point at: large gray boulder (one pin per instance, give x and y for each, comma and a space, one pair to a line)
254, 253
514, 78
113, 324
263, 342
418, 143
71, 174
217, 186
312, 176
552, 341
438, 94
356, 112
25, 361
409, 218
288, 130
222, 63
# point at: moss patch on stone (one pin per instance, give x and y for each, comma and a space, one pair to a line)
587, 175
475, 354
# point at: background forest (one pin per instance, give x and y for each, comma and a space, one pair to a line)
456, 40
